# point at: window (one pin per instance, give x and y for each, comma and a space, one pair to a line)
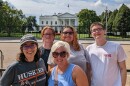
46, 22
55, 22
51, 23
62, 22
42, 22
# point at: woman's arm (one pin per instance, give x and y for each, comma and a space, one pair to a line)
79, 77
7, 77
50, 69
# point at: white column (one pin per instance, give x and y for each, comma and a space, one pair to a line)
69, 22
64, 22
76, 22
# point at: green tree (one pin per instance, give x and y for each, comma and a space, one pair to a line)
122, 20
104, 17
10, 19
110, 21
31, 23
86, 17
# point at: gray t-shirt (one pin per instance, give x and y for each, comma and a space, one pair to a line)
78, 57
24, 74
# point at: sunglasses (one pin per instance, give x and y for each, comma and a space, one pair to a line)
70, 33
32, 46
61, 54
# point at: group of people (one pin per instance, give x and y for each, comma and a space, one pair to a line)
66, 62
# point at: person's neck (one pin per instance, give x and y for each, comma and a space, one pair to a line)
101, 42
29, 60
47, 45
62, 69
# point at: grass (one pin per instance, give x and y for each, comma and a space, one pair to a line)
80, 36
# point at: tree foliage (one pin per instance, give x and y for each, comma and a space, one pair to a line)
13, 20
110, 20
86, 17
105, 17
122, 20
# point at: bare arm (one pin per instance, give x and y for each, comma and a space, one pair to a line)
122, 66
79, 77
50, 69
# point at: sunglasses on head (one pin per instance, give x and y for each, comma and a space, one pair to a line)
70, 33
32, 46
61, 54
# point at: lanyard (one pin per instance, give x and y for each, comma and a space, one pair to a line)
56, 77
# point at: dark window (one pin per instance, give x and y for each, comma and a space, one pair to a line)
55, 22
46, 22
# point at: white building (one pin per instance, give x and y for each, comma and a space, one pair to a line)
59, 20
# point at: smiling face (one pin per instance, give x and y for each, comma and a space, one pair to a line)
60, 56
48, 36
29, 49
98, 32
68, 35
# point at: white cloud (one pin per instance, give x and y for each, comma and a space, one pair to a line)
49, 7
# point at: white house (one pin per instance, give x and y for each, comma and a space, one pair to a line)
59, 20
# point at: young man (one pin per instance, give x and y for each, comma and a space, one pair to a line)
107, 59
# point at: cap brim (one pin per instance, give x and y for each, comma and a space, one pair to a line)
28, 41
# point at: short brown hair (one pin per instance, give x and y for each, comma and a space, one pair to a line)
97, 23
47, 27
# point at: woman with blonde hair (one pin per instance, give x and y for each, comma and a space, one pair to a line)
78, 55
65, 73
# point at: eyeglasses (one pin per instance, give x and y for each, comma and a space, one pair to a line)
61, 54
32, 46
65, 33
97, 30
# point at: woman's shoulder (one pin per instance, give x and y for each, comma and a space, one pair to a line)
13, 65
41, 61
76, 71
76, 68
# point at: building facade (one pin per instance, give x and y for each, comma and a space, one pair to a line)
57, 21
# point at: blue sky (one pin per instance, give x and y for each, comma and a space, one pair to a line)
49, 7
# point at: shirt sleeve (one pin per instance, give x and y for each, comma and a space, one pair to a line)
8, 76
41, 62
121, 55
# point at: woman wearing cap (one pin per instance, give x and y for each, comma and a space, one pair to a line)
65, 73
28, 69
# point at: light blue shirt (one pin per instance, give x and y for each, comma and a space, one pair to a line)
64, 79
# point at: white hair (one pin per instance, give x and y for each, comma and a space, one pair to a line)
54, 47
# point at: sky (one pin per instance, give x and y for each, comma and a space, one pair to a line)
49, 7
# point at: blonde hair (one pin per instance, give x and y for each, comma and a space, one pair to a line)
47, 27
57, 45
75, 43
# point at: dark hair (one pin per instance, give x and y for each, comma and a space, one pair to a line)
21, 57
